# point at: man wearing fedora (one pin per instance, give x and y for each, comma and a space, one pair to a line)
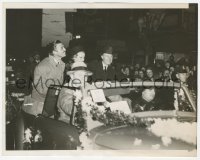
182, 76
78, 82
103, 70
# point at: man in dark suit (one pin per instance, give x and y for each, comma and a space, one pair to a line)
104, 70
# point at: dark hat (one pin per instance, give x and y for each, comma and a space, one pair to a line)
74, 50
181, 69
107, 49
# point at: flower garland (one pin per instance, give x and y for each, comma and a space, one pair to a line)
89, 115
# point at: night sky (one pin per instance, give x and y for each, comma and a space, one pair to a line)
23, 31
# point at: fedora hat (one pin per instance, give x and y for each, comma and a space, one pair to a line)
79, 66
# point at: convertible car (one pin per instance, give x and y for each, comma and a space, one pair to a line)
172, 111
169, 111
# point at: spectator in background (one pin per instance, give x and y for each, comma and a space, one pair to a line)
136, 73
131, 72
177, 66
31, 67
141, 74
131, 69
125, 71
172, 73
158, 69
167, 65
138, 79
187, 68
33, 61
123, 68
149, 74
143, 69
182, 75
137, 66
171, 69
171, 60
37, 57
166, 76
192, 79
115, 64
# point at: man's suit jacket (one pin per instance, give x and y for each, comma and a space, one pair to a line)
111, 74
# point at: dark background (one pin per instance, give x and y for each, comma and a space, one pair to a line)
24, 31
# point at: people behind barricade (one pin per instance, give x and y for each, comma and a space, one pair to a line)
54, 68
149, 74
163, 72
109, 68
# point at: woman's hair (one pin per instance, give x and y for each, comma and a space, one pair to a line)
74, 50
51, 46
140, 71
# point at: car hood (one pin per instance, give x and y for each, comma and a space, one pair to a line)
134, 138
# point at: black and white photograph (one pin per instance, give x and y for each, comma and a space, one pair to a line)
101, 78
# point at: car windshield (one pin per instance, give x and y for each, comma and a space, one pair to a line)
164, 98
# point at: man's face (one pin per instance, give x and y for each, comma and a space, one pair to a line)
171, 69
143, 69
107, 58
149, 73
167, 64
137, 65
59, 50
166, 73
182, 77
31, 59
141, 74
37, 57
136, 73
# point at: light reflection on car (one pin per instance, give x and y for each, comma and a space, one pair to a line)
164, 102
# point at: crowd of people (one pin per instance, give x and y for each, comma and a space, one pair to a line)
77, 73
110, 69
164, 71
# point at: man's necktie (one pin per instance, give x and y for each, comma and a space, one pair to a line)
105, 69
